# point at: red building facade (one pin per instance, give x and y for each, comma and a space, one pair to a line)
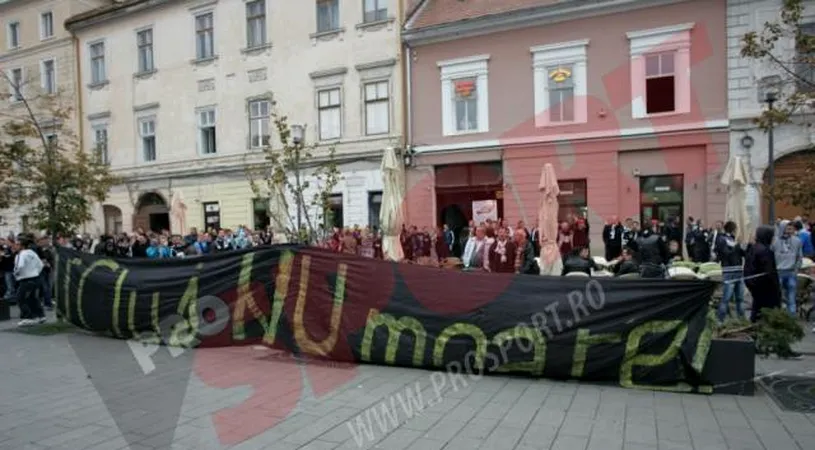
628, 101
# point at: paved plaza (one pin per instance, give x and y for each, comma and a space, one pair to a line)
68, 391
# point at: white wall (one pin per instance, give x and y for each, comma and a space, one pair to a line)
744, 75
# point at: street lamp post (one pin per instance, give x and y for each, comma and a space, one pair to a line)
767, 93
770, 99
298, 133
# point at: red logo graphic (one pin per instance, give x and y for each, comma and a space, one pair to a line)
598, 150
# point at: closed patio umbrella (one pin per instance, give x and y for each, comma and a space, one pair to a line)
735, 178
178, 213
392, 213
550, 260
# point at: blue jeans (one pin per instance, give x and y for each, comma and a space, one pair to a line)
732, 285
11, 286
789, 284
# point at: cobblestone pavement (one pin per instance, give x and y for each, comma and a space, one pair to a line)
48, 401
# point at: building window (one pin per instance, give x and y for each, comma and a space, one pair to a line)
147, 133
329, 111
204, 36
13, 35
660, 70
377, 108
660, 93
100, 143
465, 99
144, 42
334, 212
255, 23
260, 206
212, 216
560, 83
16, 81
98, 69
374, 207
46, 25
206, 132
328, 15
803, 62
48, 76
25, 223
465, 107
375, 10
259, 116
572, 199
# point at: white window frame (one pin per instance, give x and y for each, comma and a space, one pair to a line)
369, 102
200, 125
147, 49
338, 107
261, 19
377, 14
141, 136
103, 59
18, 93
336, 16
676, 39
9, 33
43, 85
96, 128
544, 58
207, 33
262, 120
454, 69
44, 32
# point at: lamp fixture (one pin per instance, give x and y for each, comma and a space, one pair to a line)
298, 133
407, 157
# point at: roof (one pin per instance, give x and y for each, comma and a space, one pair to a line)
119, 7
437, 12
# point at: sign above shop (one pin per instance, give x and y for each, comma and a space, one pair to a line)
465, 88
560, 74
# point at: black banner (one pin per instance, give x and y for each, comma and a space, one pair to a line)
639, 333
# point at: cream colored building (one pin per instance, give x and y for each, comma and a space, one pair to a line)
182, 91
36, 53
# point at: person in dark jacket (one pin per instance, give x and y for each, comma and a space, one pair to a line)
760, 274
613, 238
627, 263
7, 255
653, 254
701, 244
525, 255
578, 261
730, 255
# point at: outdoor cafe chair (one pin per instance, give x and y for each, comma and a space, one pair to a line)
682, 273
803, 294
708, 267
578, 274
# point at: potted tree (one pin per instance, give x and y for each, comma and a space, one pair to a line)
731, 362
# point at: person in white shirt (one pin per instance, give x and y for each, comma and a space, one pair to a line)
27, 268
475, 251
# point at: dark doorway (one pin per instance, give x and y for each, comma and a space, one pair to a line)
662, 199
456, 220
159, 222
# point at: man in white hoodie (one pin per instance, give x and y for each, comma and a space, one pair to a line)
27, 268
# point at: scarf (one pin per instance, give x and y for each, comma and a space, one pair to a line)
501, 249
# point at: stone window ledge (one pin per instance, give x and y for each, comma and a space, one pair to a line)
375, 25
144, 75
256, 49
98, 85
326, 35
204, 61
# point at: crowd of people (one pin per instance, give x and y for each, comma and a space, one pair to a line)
767, 266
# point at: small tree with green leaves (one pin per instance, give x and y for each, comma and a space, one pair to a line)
43, 164
297, 179
787, 46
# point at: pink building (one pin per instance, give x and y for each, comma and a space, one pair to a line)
626, 98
